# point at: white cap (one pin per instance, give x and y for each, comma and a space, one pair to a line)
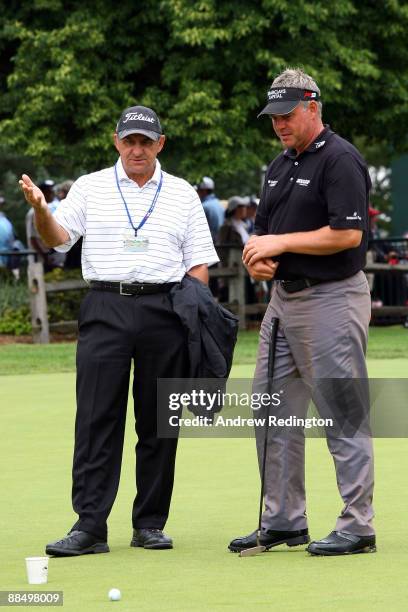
235, 202
206, 183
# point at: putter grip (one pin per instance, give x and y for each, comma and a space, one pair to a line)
272, 346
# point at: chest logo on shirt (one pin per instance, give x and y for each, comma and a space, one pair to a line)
272, 183
320, 144
355, 217
303, 182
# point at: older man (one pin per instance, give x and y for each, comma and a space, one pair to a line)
143, 230
312, 222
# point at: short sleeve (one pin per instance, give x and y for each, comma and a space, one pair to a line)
71, 214
346, 185
198, 246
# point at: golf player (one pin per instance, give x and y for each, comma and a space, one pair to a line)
312, 222
143, 230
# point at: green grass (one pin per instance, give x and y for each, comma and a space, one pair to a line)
384, 343
215, 499
37, 358
388, 342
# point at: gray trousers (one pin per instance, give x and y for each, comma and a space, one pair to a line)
322, 335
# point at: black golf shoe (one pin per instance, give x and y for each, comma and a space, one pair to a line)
340, 543
76, 543
269, 539
153, 539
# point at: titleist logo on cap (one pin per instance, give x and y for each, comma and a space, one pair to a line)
139, 120
137, 117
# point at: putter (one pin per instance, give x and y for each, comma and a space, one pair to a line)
255, 550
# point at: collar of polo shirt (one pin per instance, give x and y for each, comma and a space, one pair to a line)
123, 177
315, 146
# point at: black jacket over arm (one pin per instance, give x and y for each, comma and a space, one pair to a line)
211, 329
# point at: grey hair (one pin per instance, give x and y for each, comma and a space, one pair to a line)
295, 77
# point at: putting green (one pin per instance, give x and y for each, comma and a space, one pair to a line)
377, 368
215, 499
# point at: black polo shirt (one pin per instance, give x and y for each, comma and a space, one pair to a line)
327, 184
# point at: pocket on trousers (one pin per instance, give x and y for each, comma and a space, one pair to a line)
90, 308
82, 307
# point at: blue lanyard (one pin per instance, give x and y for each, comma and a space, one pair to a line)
153, 204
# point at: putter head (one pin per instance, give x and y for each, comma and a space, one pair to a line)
251, 552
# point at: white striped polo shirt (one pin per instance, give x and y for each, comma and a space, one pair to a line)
177, 229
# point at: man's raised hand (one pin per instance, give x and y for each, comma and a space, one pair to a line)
32, 193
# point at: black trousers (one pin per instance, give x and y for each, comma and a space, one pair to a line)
113, 330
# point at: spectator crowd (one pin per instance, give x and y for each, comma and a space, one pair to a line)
231, 223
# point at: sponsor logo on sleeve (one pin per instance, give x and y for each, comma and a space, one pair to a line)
354, 217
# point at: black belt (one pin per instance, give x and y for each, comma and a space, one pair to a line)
291, 286
125, 288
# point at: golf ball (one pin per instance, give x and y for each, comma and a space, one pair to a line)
114, 595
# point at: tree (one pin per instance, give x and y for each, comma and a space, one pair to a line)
70, 67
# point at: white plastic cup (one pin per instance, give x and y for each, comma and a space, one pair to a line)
37, 569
